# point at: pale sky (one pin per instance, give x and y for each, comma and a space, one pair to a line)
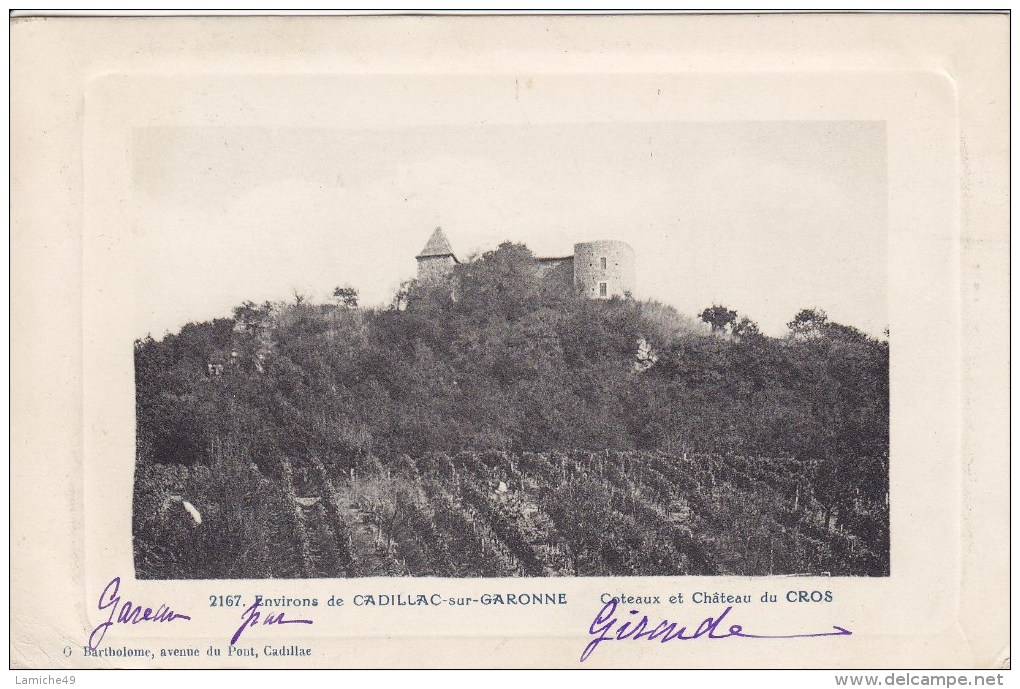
763, 217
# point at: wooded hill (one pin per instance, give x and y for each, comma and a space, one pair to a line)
719, 435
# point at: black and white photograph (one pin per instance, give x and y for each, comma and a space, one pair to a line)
495, 350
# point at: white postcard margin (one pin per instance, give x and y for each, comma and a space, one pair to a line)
80, 87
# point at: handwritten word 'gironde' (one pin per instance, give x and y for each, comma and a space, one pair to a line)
607, 627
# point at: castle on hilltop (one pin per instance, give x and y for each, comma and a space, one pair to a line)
598, 270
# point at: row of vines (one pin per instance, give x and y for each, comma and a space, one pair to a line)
497, 514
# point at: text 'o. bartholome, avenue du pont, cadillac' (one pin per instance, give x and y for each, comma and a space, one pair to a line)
507, 415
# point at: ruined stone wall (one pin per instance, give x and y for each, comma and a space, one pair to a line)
557, 273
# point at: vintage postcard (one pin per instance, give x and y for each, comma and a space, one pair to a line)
521, 341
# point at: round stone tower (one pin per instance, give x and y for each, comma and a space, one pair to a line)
603, 269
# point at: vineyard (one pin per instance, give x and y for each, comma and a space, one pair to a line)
497, 514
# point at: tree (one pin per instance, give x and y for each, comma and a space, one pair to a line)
808, 323
718, 317
745, 328
250, 316
844, 333
403, 295
662, 325
346, 296
501, 284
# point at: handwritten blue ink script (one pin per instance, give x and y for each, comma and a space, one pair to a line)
607, 627
128, 613
251, 617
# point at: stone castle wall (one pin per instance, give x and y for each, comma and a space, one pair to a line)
597, 270
557, 273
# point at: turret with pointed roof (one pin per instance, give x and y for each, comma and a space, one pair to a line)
436, 260
437, 245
